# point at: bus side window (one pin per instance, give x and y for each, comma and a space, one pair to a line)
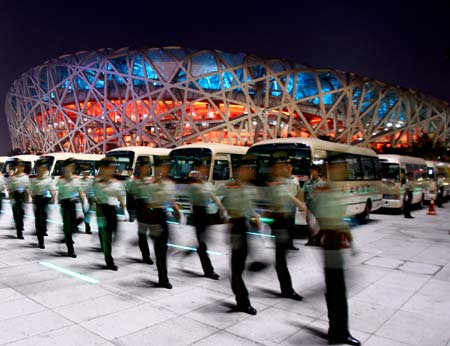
368, 169
221, 170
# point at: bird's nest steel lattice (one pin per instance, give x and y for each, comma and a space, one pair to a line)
163, 97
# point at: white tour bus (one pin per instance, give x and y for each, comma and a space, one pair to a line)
83, 162
394, 171
10, 163
128, 157
362, 187
220, 158
434, 168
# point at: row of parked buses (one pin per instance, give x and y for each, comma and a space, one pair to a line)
370, 182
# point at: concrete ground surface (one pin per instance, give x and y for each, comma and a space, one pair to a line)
398, 286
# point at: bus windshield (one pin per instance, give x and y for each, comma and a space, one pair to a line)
185, 160
390, 171
299, 154
124, 160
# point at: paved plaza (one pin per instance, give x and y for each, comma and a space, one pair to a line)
398, 285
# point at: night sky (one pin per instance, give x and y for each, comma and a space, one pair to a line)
401, 42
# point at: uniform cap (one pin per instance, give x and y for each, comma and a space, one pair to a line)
19, 162
43, 162
280, 157
69, 161
107, 161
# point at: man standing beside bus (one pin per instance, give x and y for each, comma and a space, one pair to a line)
407, 199
309, 192
440, 190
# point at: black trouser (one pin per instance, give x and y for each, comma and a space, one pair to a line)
291, 230
200, 220
440, 196
142, 215
280, 228
159, 232
69, 216
239, 252
40, 217
18, 211
407, 206
107, 216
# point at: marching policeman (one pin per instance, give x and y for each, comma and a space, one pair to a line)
201, 193
108, 191
137, 189
19, 187
69, 192
407, 199
42, 191
86, 186
161, 195
330, 212
282, 205
297, 192
239, 201
309, 192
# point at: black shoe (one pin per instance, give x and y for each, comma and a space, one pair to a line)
20, 236
247, 309
293, 248
41, 246
212, 275
87, 228
72, 254
148, 261
112, 267
409, 217
309, 243
349, 340
293, 296
45, 234
167, 285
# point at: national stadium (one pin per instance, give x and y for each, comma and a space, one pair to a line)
93, 101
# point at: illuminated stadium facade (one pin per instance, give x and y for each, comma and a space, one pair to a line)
97, 100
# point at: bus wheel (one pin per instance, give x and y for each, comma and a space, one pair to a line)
363, 218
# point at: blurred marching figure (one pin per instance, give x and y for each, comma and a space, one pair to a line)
295, 191
69, 191
239, 202
2, 189
108, 192
161, 195
282, 205
137, 190
336, 236
440, 190
86, 186
42, 191
309, 190
19, 190
201, 193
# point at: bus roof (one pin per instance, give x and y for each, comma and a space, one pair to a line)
28, 158
216, 148
402, 159
143, 150
65, 156
315, 143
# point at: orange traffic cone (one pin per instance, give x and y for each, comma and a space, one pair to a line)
431, 209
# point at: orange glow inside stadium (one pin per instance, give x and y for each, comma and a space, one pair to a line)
201, 114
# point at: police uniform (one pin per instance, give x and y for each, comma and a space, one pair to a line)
2, 186
294, 191
19, 184
281, 210
107, 194
309, 191
69, 193
336, 236
86, 187
137, 189
407, 199
160, 195
239, 201
41, 190
200, 195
